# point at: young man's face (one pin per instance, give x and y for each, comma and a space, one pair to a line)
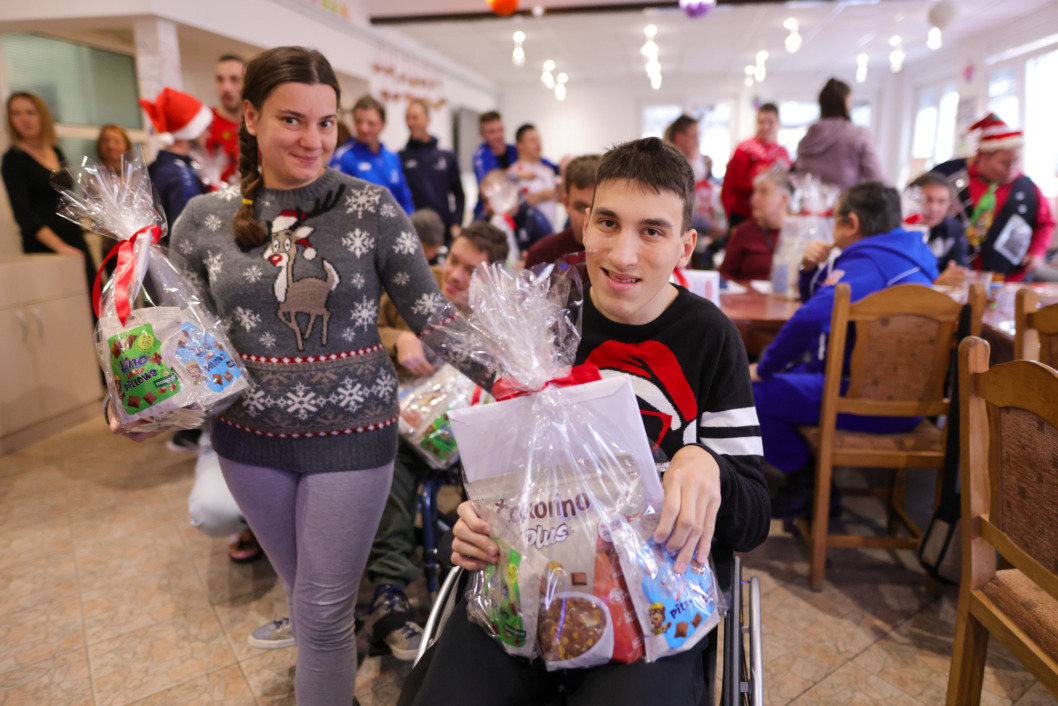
577, 202
936, 200
368, 125
767, 127
529, 146
228, 78
492, 134
634, 239
460, 264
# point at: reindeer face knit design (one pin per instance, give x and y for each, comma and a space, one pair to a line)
302, 311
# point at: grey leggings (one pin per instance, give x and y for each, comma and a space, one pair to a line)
316, 529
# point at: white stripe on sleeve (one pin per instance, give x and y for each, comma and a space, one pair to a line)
741, 417
738, 446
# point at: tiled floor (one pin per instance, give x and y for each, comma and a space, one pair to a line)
109, 596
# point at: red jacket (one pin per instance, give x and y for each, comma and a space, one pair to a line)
751, 158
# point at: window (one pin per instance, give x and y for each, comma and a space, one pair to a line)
658, 117
714, 134
1003, 95
795, 117
933, 139
84, 87
1041, 105
925, 135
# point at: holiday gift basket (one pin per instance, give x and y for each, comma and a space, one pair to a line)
561, 468
165, 356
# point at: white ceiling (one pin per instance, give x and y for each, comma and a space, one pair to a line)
599, 46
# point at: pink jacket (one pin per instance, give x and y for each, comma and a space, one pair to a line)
839, 153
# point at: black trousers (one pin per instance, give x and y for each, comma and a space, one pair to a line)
468, 667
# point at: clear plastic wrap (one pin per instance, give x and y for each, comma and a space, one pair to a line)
168, 362
424, 407
562, 471
809, 219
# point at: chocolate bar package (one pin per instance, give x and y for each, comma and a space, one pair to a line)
424, 406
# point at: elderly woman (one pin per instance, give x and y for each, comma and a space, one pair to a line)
752, 243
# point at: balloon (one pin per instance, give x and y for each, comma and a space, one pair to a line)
697, 8
503, 7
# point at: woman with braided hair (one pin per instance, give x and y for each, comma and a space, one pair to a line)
296, 257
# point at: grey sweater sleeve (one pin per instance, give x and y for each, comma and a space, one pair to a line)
186, 253
402, 267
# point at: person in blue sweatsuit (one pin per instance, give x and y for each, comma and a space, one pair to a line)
365, 157
788, 380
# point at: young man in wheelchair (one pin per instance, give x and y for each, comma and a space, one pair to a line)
389, 565
690, 370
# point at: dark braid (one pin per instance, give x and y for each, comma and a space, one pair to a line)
264, 74
249, 232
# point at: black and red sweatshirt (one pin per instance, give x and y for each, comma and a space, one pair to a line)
689, 371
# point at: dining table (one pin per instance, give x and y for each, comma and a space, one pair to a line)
759, 315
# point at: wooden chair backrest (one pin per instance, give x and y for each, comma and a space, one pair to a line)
904, 339
1035, 330
1009, 429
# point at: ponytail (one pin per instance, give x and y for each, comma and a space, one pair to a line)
249, 233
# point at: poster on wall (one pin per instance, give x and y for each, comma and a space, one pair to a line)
965, 116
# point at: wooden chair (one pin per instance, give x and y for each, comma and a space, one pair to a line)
1009, 431
905, 337
1035, 330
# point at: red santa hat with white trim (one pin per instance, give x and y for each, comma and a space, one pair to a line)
289, 219
177, 116
996, 134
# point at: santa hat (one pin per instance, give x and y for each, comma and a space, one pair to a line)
288, 219
177, 116
996, 134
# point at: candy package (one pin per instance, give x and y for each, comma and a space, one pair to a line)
560, 467
424, 407
166, 359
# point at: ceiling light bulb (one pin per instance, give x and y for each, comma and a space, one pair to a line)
548, 80
933, 40
655, 81
562, 77
549, 66
861, 68
518, 57
896, 60
790, 24
653, 67
759, 73
793, 42
519, 36
560, 92
649, 49
894, 41
762, 56
750, 69
650, 31
749, 82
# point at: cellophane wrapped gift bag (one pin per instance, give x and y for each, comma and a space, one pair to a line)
809, 219
165, 356
561, 469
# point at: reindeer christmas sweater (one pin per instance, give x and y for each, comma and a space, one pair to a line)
302, 311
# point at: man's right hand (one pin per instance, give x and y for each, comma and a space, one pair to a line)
816, 253
411, 356
472, 547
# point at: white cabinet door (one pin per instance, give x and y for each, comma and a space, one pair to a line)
67, 372
20, 400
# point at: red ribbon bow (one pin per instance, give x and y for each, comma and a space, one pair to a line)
505, 388
123, 273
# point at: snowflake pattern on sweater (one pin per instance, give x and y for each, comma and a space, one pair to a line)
302, 308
